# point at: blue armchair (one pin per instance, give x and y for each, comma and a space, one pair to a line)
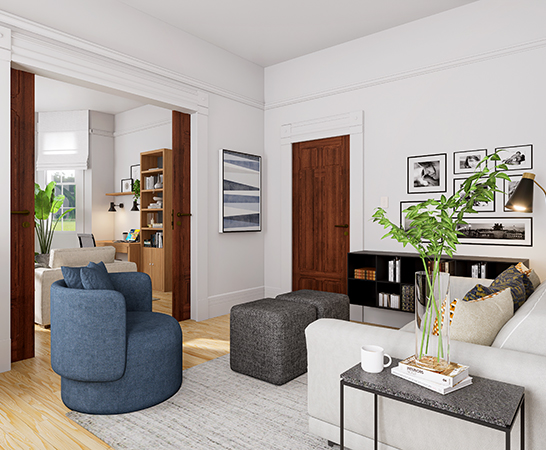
114, 355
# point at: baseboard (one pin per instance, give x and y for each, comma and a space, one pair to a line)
221, 304
5, 355
272, 292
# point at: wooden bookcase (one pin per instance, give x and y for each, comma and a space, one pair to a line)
366, 292
156, 258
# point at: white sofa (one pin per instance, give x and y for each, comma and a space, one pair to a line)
517, 356
72, 257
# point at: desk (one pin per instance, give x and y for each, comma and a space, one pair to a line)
132, 249
486, 402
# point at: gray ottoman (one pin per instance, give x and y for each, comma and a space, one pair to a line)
267, 339
327, 304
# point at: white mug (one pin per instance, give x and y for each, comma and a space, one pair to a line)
373, 358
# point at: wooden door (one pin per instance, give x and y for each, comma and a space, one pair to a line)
22, 215
181, 216
320, 214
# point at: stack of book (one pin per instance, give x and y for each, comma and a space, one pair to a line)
365, 273
388, 300
446, 381
395, 270
408, 298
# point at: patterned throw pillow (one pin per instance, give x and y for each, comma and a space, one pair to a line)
517, 281
452, 305
528, 274
519, 284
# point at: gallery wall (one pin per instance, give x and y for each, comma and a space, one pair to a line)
483, 90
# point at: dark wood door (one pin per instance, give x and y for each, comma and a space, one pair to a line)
181, 216
22, 215
320, 214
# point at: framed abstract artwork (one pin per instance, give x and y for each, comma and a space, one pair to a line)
240, 192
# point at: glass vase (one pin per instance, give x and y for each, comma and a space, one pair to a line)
432, 320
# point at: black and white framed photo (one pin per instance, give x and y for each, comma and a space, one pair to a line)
405, 224
135, 172
516, 231
427, 173
517, 157
478, 206
127, 185
509, 188
466, 161
240, 191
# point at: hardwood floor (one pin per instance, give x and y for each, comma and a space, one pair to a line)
32, 415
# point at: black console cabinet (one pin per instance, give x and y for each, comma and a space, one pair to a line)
366, 291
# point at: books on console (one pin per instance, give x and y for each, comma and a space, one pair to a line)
441, 381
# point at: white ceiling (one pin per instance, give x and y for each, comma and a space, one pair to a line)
269, 32
53, 95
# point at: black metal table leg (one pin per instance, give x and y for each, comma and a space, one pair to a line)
522, 423
341, 425
375, 421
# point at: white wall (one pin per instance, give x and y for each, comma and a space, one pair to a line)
459, 91
137, 130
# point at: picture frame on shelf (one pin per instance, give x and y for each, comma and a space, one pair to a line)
240, 192
135, 172
516, 157
427, 173
513, 231
127, 185
465, 161
509, 188
478, 206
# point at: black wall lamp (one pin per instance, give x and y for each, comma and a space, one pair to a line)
112, 207
522, 198
135, 206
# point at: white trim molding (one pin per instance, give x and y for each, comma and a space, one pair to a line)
352, 124
391, 78
221, 304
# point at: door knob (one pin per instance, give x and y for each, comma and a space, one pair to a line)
342, 226
182, 215
25, 212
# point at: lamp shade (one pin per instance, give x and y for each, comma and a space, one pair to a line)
522, 198
112, 208
135, 206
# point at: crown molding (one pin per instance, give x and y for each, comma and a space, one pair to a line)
46, 50
425, 70
142, 128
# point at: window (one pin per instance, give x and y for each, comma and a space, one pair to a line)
66, 185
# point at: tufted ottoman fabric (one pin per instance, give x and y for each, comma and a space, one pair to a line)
267, 339
327, 304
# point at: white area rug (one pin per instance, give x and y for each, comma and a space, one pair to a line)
215, 408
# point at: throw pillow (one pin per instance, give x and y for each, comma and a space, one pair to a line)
479, 321
520, 284
72, 277
531, 274
95, 276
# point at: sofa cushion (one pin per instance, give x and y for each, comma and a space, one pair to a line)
72, 277
479, 321
525, 331
74, 257
531, 274
95, 276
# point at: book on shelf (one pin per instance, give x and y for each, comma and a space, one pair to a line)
478, 270
448, 377
365, 273
397, 269
408, 298
436, 387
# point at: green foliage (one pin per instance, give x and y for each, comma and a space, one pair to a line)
434, 223
46, 205
434, 230
136, 189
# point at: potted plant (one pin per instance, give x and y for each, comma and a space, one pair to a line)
433, 232
46, 205
136, 194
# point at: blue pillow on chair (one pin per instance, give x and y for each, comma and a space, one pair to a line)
95, 276
72, 277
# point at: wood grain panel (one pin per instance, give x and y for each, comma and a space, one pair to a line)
181, 251
320, 190
22, 226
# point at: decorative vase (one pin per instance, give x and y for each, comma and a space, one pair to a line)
432, 320
42, 259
